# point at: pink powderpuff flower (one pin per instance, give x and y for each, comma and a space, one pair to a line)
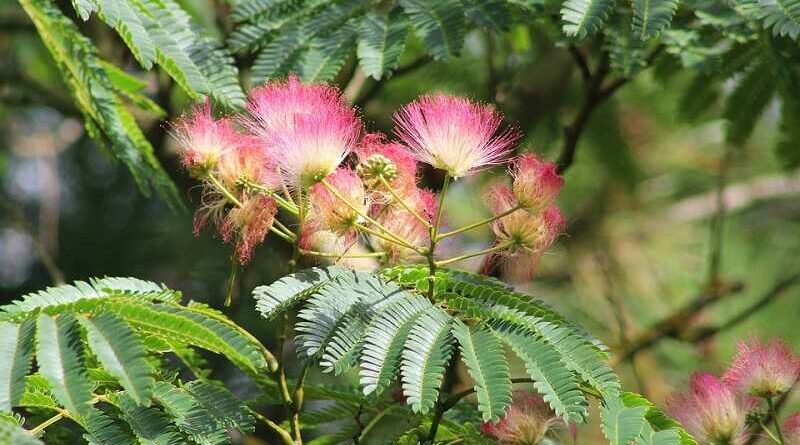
528, 420
248, 225
536, 183
204, 139
454, 134
523, 231
712, 411
406, 226
248, 162
376, 155
308, 128
332, 213
791, 429
763, 369
327, 242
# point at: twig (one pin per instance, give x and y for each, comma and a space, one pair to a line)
284, 435
580, 60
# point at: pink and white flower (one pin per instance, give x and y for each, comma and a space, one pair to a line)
405, 225
791, 429
527, 421
250, 163
330, 212
203, 139
523, 231
309, 129
712, 411
248, 225
536, 183
454, 134
763, 369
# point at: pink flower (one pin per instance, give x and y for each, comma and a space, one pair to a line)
204, 139
327, 242
791, 429
523, 231
406, 226
454, 134
763, 369
526, 422
711, 411
536, 183
247, 226
393, 160
332, 213
248, 162
308, 128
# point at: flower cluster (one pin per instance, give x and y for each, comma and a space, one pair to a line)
526, 422
301, 149
716, 410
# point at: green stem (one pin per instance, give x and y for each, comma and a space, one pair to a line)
41, 427
776, 422
284, 435
289, 206
288, 237
222, 189
339, 256
371, 424
770, 434
403, 203
473, 254
478, 223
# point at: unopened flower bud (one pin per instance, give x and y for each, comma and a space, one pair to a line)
372, 168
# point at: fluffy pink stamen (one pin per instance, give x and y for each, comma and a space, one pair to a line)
791, 429
249, 162
247, 226
763, 369
308, 128
406, 226
527, 421
712, 411
536, 183
202, 138
332, 213
454, 134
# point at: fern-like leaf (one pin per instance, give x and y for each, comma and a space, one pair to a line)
13, 434
150, 425
620, 424
490, 14
384, 341
229, 411
440, 24
277, 297
189, 415
382, 38
584, 17
425, 356
103, 430
327, 55
486, 363
60, 358
16, 352
552, 379
748, 100
121, 352
650, 17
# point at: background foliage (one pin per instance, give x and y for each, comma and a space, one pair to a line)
657, 111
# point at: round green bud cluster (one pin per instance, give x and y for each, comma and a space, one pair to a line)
371, 169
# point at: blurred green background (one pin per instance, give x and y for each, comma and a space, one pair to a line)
645, 236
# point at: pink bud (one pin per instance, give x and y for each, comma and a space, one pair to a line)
536, 183
402, 159
763, 369
711, 411
247, 226
454, 134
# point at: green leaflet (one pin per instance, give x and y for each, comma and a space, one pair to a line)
440, 24
748, 100
60, 358
189, 415
275, 298
622, 425
150, 425
77, 59
13, 434
486, 363
121, 352
382, 39
327, 55
584, 17
103, 430
16, 352
650, 17
425, 357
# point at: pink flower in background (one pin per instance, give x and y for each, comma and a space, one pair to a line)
408, 227
330, 212
526, 422
791, 429
308, 129
536, 183
327, 242
204, 139
374, 151
763, 369
454, 134
247, 226
712, 411
530, 233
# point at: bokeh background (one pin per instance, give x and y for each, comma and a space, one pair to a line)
678, 244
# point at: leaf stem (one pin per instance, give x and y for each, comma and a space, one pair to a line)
478, 223
776, 422
284, 435
339, 256
289, 206
473, 254
38, 429
224, 190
